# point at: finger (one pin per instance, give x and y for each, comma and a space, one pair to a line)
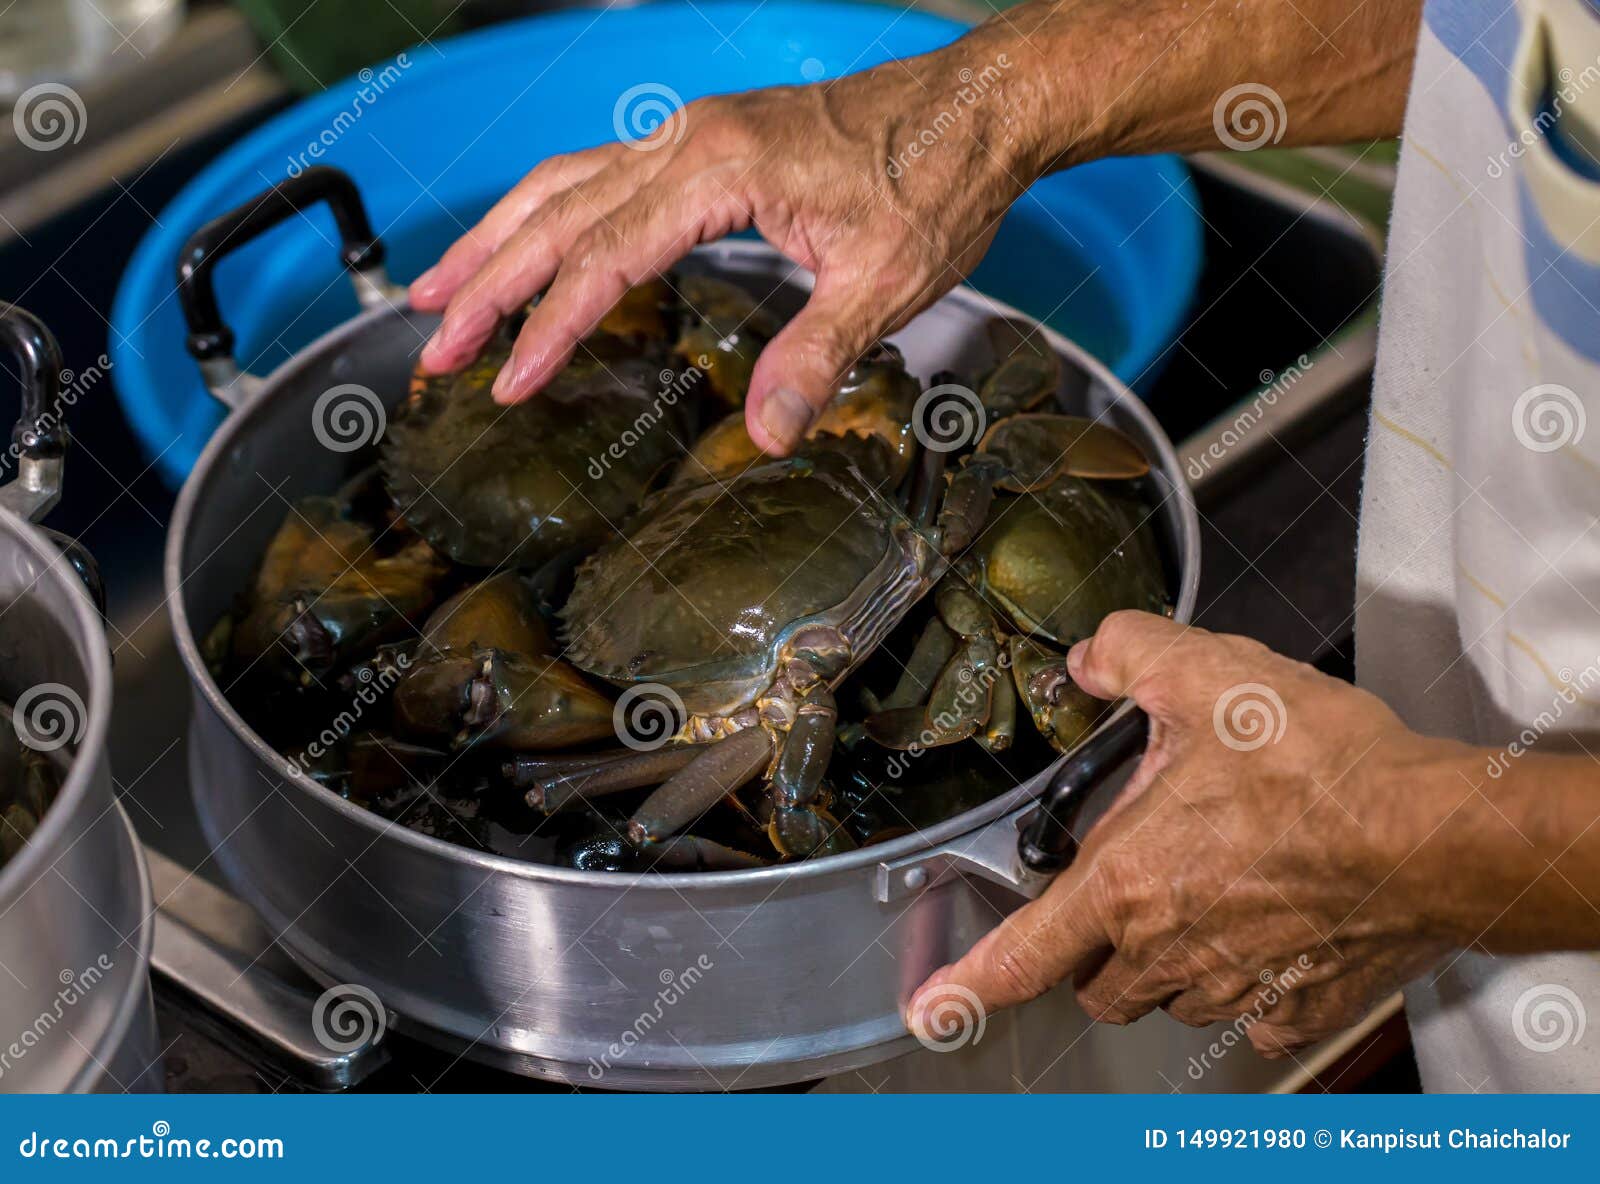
1036, 947
1127, 648
524, 264
634, 242
432, 290
1120, 990
799, 370
1279, 1040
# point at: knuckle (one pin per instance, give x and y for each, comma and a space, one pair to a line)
1019, 971
1100, 1009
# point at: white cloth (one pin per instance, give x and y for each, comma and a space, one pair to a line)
1479, 569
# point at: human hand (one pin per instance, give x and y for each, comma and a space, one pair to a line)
823, 172
1268, 859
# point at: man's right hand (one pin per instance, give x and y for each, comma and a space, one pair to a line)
889, 184
826, 173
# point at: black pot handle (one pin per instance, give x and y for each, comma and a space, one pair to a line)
39, 441
210, 340
1048, 844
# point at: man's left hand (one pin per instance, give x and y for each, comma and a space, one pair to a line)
1265, 860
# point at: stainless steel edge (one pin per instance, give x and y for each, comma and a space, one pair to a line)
196, 950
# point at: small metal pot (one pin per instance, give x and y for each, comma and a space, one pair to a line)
716, 980
75, 904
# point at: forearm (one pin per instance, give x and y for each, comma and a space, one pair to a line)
1092, 78
1502, 852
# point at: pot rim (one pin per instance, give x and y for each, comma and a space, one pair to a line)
91, 749
241, 418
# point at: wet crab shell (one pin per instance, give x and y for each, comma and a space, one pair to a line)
1059, 560
491, 485
708, 592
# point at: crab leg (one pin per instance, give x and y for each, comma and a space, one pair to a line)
722, 768
630, 772
525, 769
807, 749
690, 853
936, 645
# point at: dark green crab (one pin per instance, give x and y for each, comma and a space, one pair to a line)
1060, 543
518, 486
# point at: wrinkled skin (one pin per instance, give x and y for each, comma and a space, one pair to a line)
1222, 867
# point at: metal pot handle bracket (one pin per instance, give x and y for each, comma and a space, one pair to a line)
210, 340
39, 441
1026, 862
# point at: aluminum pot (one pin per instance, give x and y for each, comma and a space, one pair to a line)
714, 980
75, 904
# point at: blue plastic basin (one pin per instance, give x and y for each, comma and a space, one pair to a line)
1107, 253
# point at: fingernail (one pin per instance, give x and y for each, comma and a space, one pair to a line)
785, 416
1075, 657
424, 281
917, 1010
505, 382
430, 358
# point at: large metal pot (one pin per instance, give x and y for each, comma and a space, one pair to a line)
75, 906
718, 980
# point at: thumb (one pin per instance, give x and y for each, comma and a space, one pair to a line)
1041, 944
1127, 647
799, 370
